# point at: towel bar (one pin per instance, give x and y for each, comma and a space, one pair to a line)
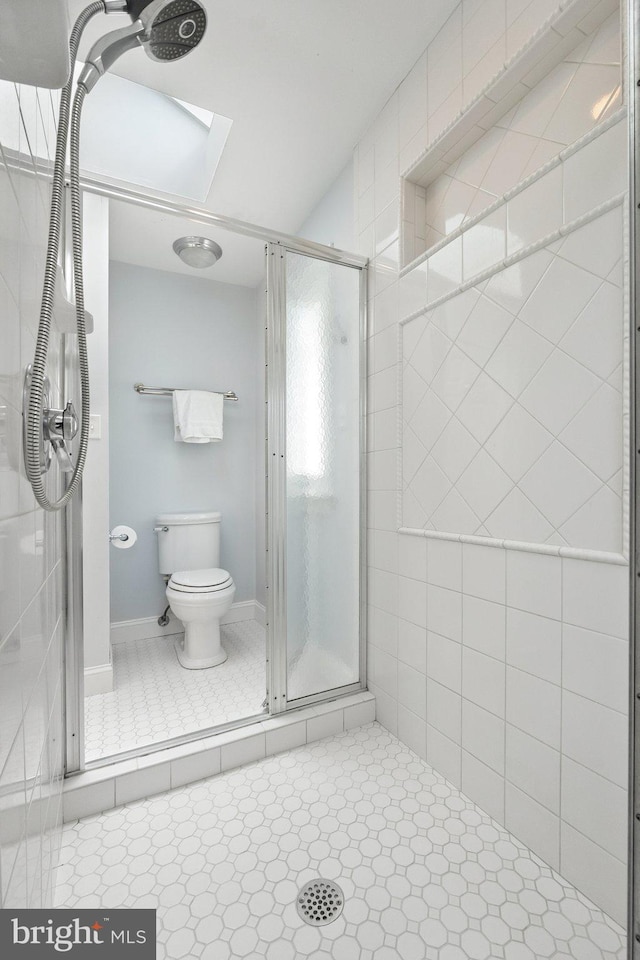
167, 391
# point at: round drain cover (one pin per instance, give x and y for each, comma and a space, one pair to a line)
319, 902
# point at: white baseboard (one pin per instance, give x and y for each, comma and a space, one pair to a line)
261, 613
146, 627
98, 679
245, 610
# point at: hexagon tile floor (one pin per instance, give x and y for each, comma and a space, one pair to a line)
426, 875
154, 698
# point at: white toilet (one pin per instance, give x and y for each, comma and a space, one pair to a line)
199, 592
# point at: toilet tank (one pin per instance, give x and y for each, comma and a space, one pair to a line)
188, 541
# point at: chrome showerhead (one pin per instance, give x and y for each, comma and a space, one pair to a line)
166, 29
172, 27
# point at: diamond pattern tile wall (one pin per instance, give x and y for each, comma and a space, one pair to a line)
512, 400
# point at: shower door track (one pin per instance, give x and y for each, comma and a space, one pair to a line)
74, 646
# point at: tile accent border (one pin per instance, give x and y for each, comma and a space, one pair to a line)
548, 549
95, 791
570, 553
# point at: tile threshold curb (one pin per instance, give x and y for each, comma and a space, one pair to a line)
104, 788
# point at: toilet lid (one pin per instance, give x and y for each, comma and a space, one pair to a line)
196, 581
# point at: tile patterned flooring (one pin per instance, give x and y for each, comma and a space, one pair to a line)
154, 698
426, 874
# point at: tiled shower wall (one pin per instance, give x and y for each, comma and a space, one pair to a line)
31, 581
503, 664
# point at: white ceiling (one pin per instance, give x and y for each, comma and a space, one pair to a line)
301, 79
145, 238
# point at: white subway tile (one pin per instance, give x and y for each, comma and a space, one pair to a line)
444, 661
330, 712
596, 807
412, 557
534, 768
285, 737
483, 626
444, 564
383, 630
383, 671
412, 690
412, 601
412, 645
444, 612
599, 875
533, 824
444, 755
534, 583
483, 681
484, 572
86, 801
198, 766
484, 244
596, 596
444, 710
535, 212
386, 710
359, 714
444, 270
595, 666
595, 173
143, 783
244, 751
484, 785
483, 735
534, 644
595, 736
533, 705
412, 730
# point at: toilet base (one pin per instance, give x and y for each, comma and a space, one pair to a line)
201, 663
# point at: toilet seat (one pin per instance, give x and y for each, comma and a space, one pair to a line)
209, 580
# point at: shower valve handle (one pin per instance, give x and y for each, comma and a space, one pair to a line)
60, 427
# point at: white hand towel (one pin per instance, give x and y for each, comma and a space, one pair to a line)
197, 416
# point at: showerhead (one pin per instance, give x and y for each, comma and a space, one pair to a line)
172, 27
166, 29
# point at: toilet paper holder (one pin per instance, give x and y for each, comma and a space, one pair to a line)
123, 537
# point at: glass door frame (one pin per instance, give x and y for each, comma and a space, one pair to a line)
72, 546
275, 460
632, 17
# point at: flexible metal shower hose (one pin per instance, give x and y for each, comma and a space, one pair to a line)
34, 417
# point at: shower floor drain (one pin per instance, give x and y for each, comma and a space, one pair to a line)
319, 902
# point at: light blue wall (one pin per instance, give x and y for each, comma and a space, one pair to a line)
172, 330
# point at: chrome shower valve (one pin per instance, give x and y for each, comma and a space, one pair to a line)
60, 427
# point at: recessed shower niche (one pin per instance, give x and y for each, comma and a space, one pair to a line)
160, 509
506, 153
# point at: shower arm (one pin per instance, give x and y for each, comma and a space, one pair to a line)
106, 51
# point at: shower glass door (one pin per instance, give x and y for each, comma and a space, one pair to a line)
315, 474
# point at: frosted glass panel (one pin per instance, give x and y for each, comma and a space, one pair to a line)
322, 479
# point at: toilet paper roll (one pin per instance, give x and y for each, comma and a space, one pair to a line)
119, 531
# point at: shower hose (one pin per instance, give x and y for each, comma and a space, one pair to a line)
68, 120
